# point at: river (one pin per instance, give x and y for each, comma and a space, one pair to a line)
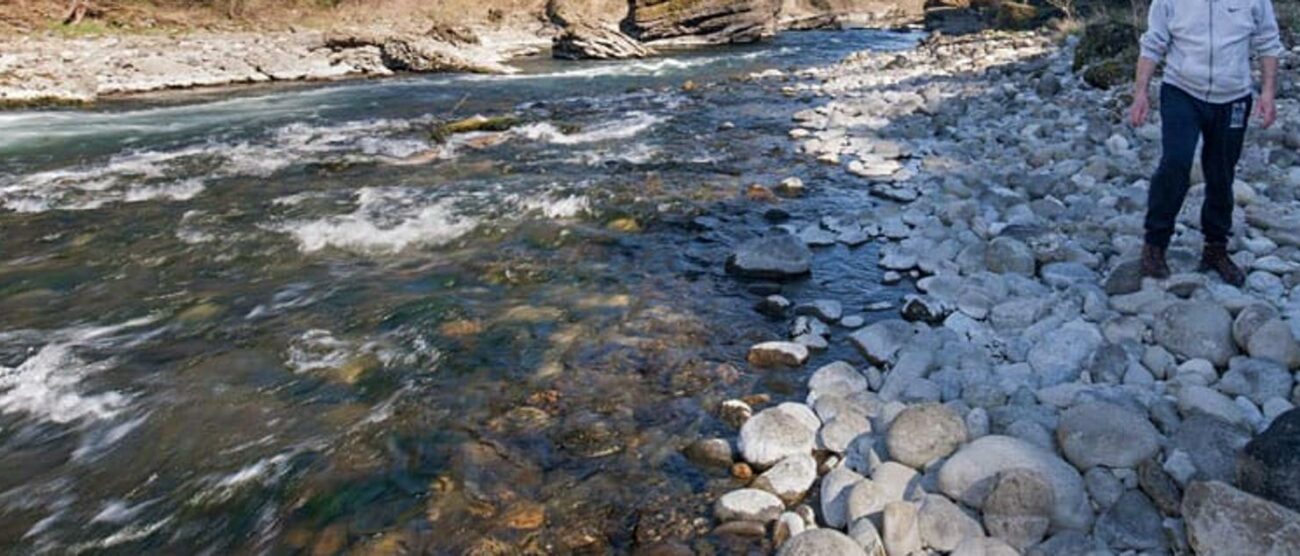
233, 321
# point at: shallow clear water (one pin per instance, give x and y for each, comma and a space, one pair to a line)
242, 322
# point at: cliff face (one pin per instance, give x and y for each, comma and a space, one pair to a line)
799, 14
720, 21
704, 20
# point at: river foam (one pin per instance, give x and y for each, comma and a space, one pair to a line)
632, 125
386, 221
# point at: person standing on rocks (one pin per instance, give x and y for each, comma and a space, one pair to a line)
1206, 46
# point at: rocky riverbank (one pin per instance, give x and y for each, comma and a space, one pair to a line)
1036, 395
43, 69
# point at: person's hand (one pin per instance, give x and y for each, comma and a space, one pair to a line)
1137, 113
1266, 110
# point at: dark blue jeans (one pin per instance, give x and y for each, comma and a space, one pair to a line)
1184, 120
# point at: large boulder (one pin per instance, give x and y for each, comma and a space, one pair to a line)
970, 474
421, 53
1018, 509
923, 433
776, 257
708, 21
817, 542
1196, 330
774, 434
1269, 466
581, 41
1100, 433
1223, 520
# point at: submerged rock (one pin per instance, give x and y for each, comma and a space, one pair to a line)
774, 257
778, 354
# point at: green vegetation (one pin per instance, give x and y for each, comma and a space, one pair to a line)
1016, 16
1107, 52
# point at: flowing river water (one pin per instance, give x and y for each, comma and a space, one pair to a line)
229, 323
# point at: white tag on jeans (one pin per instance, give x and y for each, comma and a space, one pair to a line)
1238, 115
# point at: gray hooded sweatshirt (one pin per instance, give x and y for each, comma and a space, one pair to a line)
1206, 44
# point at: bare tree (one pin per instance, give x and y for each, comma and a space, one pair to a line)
76, 12
1066, 7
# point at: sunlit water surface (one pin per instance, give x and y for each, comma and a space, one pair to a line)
230, 323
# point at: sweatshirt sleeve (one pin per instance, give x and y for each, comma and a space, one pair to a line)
1265, 41
1155, 41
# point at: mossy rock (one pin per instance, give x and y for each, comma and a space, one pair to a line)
442, 131
1109, 73
1104, 40
1015, 15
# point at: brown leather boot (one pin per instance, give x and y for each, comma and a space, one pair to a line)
1153, 262
1215, 257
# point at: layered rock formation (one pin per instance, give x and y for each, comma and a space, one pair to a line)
704, 21
585, 41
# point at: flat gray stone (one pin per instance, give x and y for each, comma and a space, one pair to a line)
748, 504
1101, 433
1196, 329
1132, 523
